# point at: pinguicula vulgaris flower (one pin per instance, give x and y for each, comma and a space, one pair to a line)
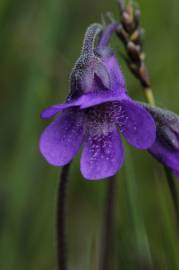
95, 114
166, 145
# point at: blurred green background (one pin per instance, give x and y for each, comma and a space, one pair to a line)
39, 42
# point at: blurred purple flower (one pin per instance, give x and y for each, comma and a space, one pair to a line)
98, 105
166, 145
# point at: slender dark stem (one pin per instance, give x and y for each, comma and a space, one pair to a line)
61, 210
173, 192
107, 243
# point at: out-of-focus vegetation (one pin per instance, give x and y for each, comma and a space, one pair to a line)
39, 42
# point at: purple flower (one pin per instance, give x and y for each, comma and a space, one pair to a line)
166, 145
94, 115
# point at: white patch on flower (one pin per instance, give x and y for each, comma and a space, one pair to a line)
103, 118
100, 147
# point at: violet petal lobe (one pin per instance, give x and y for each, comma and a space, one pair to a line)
54, 109
100, 97
136, 124
61, 140
102, 155
85, 101
165, 155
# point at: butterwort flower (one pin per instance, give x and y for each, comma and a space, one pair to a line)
166, 145
95, 114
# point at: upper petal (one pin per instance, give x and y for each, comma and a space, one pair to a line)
136, 124
84, 101
102, 155
100, 97
116, 76
54, 109
61, 140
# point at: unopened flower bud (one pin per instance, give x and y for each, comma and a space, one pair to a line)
166, 146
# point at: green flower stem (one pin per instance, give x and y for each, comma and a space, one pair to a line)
149, 96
